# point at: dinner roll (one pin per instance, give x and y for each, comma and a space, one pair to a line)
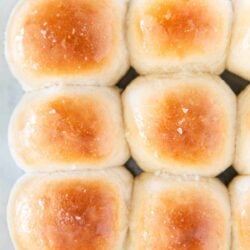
179, 213
70, 211
177, 35
66, 128
240, 203
239, 53
182, 124
67, 41
242, 156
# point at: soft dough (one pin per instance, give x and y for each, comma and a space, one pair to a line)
68, 128
70, 211
67, 41
240, 205
239, 52
179, 35
242, 156
182, 124
180, 213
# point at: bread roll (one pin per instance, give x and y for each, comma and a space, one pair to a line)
242, 157
179, 35
179, 213
75, 210
66, 128
240, 203
67, 41
182, 124
239, 53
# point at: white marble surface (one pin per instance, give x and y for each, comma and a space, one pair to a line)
10, 93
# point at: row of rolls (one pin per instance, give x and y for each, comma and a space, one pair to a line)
106, 209
182, 124
73, 130
93, 42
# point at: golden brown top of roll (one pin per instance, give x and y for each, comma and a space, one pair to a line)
187, 224
63, 128
186, 124
182, 123
66, 36
179, 28
67, 214
179, 213
66, 128
75, 210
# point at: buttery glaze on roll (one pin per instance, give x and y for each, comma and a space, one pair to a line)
70, 211
67, 41
176, 35
242, 156
239, 52
62, 128
240, 205
180, 213
182, 124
